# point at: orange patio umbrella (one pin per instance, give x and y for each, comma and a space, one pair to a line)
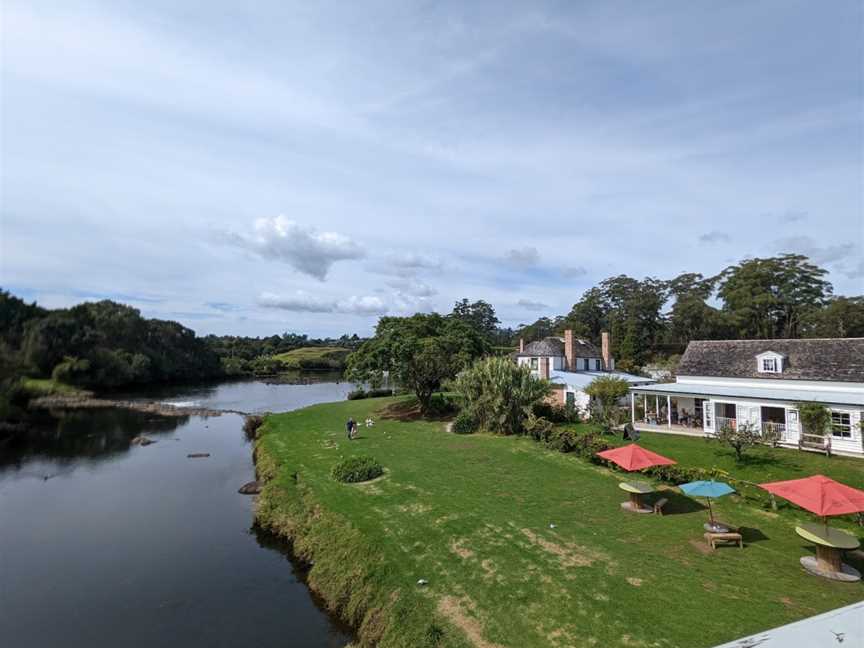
633, 457
820, 495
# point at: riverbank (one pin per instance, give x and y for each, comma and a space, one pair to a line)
514, 545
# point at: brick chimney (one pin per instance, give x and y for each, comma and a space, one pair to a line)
569, 351
606, 351
544, 367
521, 345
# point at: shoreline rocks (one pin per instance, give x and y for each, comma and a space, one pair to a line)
146, 407
250, 488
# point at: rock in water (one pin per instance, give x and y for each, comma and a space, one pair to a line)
252, 488
141, 440
197, 455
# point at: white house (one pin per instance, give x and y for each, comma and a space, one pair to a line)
760, 382
571, 363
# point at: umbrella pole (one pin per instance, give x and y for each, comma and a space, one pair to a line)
710, 512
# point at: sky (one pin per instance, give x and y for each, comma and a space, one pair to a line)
311, 166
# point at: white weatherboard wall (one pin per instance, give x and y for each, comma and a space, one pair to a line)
773, 383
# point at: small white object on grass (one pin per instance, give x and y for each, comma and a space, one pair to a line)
552, 525
422, 581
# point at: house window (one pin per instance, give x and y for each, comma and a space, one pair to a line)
841, 425
769, 365
571, 399
534, 363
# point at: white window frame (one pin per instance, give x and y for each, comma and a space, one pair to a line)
845, 429
769, 362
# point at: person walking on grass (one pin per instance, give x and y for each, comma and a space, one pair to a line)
351, 426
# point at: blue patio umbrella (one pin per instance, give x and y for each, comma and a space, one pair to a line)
708, 490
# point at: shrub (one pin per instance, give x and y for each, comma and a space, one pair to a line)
815, 418
379, 393
500, 394
251, 425
739, 437
357, 469
558, 413
538, 427
606, 393
357, 394
464, 423
588, 445
442, 405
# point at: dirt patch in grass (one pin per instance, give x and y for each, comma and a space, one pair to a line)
463, 552
456, 610
568, 554
415, 509
701, 546
635, 582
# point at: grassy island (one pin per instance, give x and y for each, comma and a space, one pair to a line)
517, 545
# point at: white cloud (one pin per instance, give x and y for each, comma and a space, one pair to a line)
806, 245
414, 261
303, 248
524, 257
413, 287
574, 272
303, 302
527, 304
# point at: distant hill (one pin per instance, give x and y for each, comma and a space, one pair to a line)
314, 357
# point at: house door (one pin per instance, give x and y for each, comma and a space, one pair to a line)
571, 399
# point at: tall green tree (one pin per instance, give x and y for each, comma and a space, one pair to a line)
841, 317
418, 352
770, 298
691, 317
479, 315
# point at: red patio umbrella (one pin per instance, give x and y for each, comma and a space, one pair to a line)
820, 495
633, 457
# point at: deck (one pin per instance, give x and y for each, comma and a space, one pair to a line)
670, 429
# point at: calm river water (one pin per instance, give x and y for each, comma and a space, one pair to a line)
107, 544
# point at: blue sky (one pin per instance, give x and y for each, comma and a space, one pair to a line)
310, 166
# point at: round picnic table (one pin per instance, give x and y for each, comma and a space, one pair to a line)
636, 490
830, 545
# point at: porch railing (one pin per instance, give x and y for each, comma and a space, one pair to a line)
721, 421
773, 430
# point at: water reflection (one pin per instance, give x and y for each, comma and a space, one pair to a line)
90, 434
142, 546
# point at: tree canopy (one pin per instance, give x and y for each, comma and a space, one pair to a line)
417, 352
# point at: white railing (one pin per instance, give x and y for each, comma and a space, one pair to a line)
772, 430
721, 421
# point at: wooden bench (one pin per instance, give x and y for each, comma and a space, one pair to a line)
659, 504
714, 538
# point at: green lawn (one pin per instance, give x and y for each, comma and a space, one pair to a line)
323, 356
472, 515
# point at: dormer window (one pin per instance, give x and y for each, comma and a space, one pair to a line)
769, 362
769, 365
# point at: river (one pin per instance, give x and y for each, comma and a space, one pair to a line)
107, 544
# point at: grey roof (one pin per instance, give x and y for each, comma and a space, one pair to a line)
550, 346
792, 394
554, 346
840, 359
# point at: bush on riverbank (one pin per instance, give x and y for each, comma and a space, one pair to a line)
360, 394
357, 469
251, 425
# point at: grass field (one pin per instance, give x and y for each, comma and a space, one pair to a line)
47, 387
472, 515
314, 357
